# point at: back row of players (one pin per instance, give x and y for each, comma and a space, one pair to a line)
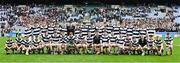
85, 40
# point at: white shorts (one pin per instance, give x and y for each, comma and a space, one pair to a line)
84, 44
169, 46
145, 47
56, 44
105, 44
63, 44
113, 44
47, 44
35, 47
120, 45
79, 45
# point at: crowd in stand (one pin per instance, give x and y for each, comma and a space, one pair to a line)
26, 15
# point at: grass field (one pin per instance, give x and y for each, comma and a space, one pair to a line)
90, 58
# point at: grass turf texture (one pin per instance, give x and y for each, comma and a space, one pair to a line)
90, 58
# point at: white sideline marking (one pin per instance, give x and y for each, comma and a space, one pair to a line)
89, 62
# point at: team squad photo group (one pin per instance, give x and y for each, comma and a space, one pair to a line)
109, 40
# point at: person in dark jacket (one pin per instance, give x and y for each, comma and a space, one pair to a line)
97, 43
142, 44
70, 28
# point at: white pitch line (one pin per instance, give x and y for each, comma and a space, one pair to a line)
89, 62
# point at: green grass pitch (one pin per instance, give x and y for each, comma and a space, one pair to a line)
91, 58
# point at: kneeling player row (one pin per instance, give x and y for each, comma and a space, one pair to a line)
96, 45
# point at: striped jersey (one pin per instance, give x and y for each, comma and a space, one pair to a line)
44, 29
151, 31
28, 32
143, 31
55, 38
92, 30
105, 39
80, 39
36, 31
84, 31
168, 40
128, 41
109, 29
77, 32
46, 38
136, 33
129, 31
150, 42
116, 31
89, 39
120, 40
158, 43
9, 43
113, 39
51, 30
63, 38
123, 32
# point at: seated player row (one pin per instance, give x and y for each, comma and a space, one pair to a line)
97, 44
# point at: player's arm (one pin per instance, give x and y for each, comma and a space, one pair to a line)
42, 42
6, 45
101, 41
15, 43
116, 40
76, 40
123, 44
172, 41
85, 39
164, 41
162, 45
109, 41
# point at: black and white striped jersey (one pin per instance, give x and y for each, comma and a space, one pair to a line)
58, 30
64, 30
143, 32
51, 30
136, 33
56, 38
89, 39
113, 39
129, 31
92, 30
109, 29
46, 38
84, 31
159, 43
63, 38
44, 29
36, 30
120, 40
123, 32
80, 39
77, 32
9, 43
105, 39
151, 31
168, 40
28, 32
100, 30
128, 41
116, 31
150, 42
